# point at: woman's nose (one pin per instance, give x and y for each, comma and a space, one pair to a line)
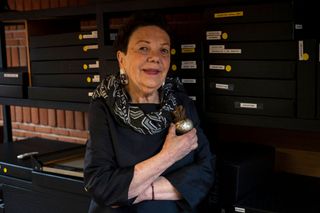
154, 57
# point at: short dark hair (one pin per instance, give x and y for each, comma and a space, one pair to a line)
135, 21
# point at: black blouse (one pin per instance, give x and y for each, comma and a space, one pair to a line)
113, 149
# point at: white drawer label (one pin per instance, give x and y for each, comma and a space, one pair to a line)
220, 49
238, 209
188, 81
96, 78
188, 64
94, 66
194, 98
213, 35
93, 34
216, 67
222, 86
90, 47
11, 75
249, 105
113, 36
188, 46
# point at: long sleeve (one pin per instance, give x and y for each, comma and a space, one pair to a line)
195, 180
104, 179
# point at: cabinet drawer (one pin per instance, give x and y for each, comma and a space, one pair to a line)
252, 88
251, 69
61, 53
107, 52
186, 50
198, 102
282, 50
67, 66
14, 78
66, 80
251, 106
60, 94
13, 91
109, 67
193, 86
275, 31
36, 200
278, 11
182, 68
58, 182
64, 39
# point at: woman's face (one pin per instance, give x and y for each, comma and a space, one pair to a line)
147, 60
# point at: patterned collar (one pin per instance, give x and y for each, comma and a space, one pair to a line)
116, 98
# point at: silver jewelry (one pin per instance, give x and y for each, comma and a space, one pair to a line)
123, 77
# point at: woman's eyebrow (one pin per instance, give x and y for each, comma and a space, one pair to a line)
143, 41
148, 42
165, 43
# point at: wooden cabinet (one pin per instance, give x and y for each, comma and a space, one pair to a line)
70, 49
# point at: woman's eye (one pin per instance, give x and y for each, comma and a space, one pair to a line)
143, 49
165, 51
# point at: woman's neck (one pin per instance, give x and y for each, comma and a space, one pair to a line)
144, 98
142, 95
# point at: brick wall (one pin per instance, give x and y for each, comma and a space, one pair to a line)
64, 125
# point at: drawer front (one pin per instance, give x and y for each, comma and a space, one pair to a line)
64, 39
186, 68
14, 78
274, 31
60, 94
284, 50
251, 106
13, 91
66, 80
251, 69
61, 53
193, 86
252, 88
65, 66
186, 50
109, 67
37, 200
280, 11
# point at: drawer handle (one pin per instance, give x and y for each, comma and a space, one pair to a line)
90, 47
92, 35
91, 66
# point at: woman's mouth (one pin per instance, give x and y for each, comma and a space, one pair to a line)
151, 71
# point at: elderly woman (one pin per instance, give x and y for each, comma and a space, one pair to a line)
135, 161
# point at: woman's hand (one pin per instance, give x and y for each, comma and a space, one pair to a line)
145, 195
178, 146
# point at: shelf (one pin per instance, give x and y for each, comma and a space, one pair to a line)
264, 121
112, 6
83, 107
121, 6
11, 16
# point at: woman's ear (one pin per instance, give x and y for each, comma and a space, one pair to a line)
121, 59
